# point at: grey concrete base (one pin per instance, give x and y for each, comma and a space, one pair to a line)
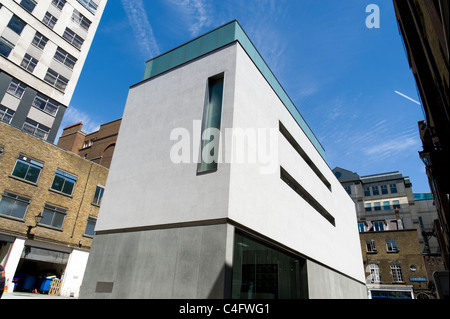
178, 263
324, 283
192, 262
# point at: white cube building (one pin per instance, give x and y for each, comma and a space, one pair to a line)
248, 209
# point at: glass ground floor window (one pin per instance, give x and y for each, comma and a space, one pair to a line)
262, 271
391, 294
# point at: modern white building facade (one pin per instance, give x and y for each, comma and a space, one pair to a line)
266, 218
43, 47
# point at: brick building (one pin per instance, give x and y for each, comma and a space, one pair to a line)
49, 203
393, 264
97, 146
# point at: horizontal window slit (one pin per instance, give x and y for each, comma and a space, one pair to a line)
303, 154
288, 179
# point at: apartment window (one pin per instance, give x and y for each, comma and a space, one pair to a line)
13, 205
16, 88
27, 169
45, 104
368, 207
374, 273
29, 63
391, 246
39, 41
59, 3
88, 143
90, 226
378, 226
49, 20
386, 205
65, 58
371, 247
81, 20
393, 188
53, 216
56, 80
64, 182
377, 206
367, 191
362, 227
421, 222
98, 195
5, 47
73, 38
375, 191
16, 24
6, 114
384, 189
211, 125
292, 183
36, 129
396, 270
348, 189
91, 5
396, 204
28, 5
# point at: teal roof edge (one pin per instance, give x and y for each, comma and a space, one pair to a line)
216, 39
422, 196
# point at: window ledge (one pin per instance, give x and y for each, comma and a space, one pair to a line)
22, 180
60, 193
50, 227
20, 220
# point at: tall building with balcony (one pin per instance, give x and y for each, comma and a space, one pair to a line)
43, 47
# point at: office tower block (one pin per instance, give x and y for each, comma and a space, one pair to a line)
43, 46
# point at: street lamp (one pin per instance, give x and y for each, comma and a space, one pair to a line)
37, 220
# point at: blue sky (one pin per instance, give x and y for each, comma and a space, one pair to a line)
352, 84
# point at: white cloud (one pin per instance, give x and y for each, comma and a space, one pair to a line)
73, 116
404, 144
197, 12
143, 32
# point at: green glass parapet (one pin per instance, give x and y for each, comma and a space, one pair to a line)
215, 39
422, 196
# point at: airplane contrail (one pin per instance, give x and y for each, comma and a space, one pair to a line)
407, 97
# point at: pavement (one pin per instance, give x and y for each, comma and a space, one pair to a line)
29, 296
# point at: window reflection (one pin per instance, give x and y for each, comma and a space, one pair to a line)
263, 272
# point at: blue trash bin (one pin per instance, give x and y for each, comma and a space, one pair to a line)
45, 284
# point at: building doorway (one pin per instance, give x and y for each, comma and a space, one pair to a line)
37, 268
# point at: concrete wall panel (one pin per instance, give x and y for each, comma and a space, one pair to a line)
181, 263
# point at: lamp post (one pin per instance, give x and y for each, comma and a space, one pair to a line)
37, 220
